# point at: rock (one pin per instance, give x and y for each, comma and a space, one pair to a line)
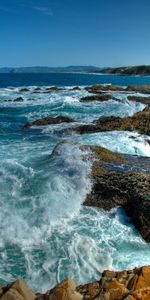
49, 121
48, 90
140, 122
18, 291
65, 291
144, 100
24, 90
144, 89
113, 187
19, 99
104, 88
90, 291
76, 88
125, 285
99, 97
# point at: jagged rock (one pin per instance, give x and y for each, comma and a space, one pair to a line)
128, 189
65, 291
145, 89
18, 291
104, 88
144, 100
99, 97
125, 285
49, 121
139, 122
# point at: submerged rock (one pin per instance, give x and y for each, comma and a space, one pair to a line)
48, 90
125, 285
99, 97
19, 99
113, 187
24, 90
49, 121
139, 122
76, 88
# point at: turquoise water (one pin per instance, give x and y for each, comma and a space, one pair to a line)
45, 233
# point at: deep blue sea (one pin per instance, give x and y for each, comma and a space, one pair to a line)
46, 234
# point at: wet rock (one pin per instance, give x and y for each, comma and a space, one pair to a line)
99, 97
128, 189
144, 100
49, 90
19, 99
103, 88
140, 122
24, 90
145, 89
49, 121
76, 88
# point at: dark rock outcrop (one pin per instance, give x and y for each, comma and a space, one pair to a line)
19, 99
139, 122
49, 121
145, 89
24, 90
144, 100
48, 90
123, 187
104, 88
99, 97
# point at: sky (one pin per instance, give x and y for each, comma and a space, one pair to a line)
104, 33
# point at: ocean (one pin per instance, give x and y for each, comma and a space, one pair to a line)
46, 235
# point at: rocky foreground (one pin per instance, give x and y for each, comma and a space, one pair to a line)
126, 285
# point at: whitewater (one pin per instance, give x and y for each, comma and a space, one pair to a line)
46, 235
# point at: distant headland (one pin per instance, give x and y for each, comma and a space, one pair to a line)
142, 70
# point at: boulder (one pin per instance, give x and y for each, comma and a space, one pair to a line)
49, 121
65, 291
18, 291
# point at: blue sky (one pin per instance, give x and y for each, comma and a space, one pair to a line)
74, 32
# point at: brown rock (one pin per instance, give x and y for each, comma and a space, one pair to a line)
99, 97
65, 291
18, 291
140, 122
141, 294
49, 121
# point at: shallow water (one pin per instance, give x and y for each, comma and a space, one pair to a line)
45, 233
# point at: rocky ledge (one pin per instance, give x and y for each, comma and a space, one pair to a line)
139, 122
126, 285
118, 181
145, 89
49, 121
99, 97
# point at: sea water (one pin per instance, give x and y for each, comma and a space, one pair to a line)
46, 235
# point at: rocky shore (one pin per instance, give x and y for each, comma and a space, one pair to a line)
118, 181
126, 285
